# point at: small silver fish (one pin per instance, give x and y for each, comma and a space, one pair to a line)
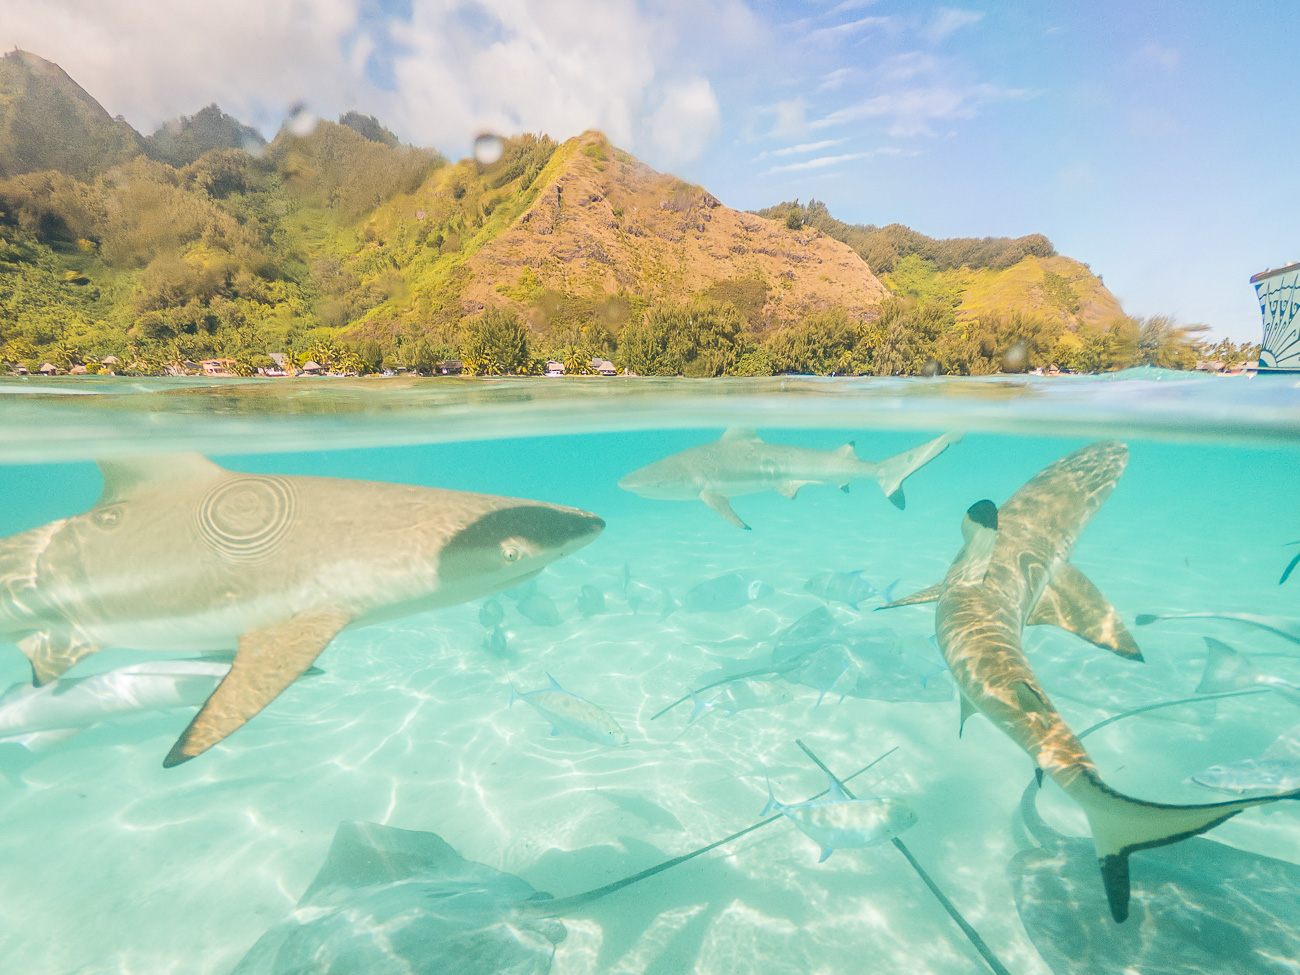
847, 587
491, 614
494, 642
839, 822
726, 592
591, 601
540, 609
571, 714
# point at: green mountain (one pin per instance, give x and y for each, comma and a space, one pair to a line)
183, 141
348, 247
48, 122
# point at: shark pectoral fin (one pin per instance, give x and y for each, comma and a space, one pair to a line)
267, 662
1073, 603
52, 654
722, 505
927, 595
1029, 699
826, 852
967, 710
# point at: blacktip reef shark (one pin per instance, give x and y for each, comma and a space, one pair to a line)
1014, 571
180, 554
739, 463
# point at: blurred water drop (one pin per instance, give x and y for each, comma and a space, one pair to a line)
1016, 355
931, 368
253, 147
302, 121
488, 148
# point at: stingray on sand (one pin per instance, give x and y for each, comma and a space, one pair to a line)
401, 902
1198, 908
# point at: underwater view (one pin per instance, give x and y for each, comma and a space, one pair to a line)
650, 676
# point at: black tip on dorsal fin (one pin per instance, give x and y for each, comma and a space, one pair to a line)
984, 513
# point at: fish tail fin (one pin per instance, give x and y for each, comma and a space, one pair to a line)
888, 594
669, 605
1226, 670
891, 473
1121, 824
700, 707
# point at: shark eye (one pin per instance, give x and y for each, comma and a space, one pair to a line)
510, 553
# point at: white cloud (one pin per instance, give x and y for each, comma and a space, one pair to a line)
1153, 55
913, 109
151, 60
824, 162
836, 79
806, 147
947, 21
685, 122
840, 31
453, 67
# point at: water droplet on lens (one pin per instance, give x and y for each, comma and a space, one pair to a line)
1016, 355
931, 368
302, 121
488, 148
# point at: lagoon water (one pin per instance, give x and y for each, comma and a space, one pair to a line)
110, 863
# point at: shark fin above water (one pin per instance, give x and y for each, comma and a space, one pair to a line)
722, 505
124, 478
52, 654
1073, 603
267, 662
739, 433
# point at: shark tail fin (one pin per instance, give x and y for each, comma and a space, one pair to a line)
891, 473
1226, 670
1121, 825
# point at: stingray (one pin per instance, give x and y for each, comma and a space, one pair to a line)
391, 901
1199, 907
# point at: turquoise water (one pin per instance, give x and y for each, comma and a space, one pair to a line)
110, 863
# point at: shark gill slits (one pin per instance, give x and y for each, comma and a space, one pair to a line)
983, 513
245, 519
542, 526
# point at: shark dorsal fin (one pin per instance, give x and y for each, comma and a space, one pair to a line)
1073, 603
836, 792
555, 684
124, 477
979, 527
739, 433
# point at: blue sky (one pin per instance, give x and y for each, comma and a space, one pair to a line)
1155, 141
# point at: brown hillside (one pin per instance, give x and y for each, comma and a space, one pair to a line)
605, 223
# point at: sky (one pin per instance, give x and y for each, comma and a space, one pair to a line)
1158, 142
